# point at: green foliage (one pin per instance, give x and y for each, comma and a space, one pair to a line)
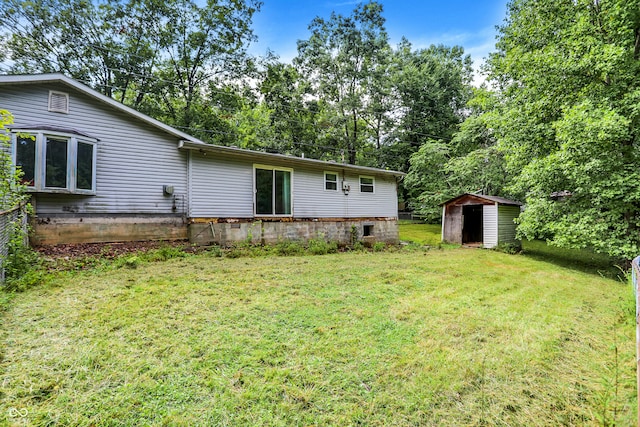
215, 251
320, 246
470, 163
343, 60
354, 236
379, 246
11, 190
509, 248
132, 261
568, 120
22, 266
289, 248
358, 247
433, 86
164, 253
426, 182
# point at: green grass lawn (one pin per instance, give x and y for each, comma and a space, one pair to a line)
439, 338
423, 234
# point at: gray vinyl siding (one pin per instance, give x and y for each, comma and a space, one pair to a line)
311, 200
221, 188
134, 159
490, 225
506, 225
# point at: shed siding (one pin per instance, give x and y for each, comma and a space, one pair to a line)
134, 159
452, 224
490, 225
221, 187
506, 225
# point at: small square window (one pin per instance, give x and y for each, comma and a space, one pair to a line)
367, 230
366, 184
330, 181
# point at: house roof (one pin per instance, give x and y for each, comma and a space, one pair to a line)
494, 199
282, 158
186, 141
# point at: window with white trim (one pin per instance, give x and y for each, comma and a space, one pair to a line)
367, 184
331, 181
56, 162
272, 187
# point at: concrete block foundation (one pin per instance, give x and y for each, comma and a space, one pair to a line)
226, 232
104, 229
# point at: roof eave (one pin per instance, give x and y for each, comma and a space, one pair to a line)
482, 196
210, 148
61, 78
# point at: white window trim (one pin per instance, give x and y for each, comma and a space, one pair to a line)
41, 158
51, 108
255, 191
337, 181
373, 184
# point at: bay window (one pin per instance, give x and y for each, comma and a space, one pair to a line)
55, 162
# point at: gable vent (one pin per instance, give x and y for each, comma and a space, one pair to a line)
58, 102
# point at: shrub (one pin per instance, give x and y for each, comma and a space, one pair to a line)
29, 279
215, 251
509, 248
358, 246
22, 264
165, 253
288, 248
379, 246
322, 247
132, 261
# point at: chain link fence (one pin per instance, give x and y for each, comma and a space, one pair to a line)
10, 222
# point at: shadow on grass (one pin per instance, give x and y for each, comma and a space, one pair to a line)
581, 260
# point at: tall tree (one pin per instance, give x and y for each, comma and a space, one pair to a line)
432, 87
159, 56
469, 163
342, 59
294, 113
569, 73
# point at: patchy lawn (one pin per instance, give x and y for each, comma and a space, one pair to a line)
444, 337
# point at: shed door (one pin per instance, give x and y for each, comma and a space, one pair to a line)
472, 224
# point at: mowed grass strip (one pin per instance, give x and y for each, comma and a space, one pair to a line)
438, 338
420, 233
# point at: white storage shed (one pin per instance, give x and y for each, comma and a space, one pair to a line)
480, 220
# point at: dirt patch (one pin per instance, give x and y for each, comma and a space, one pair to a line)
105, 250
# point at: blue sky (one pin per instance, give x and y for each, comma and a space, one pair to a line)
468, 23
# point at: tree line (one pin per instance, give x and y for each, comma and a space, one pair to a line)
555, 127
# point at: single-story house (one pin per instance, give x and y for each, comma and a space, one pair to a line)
100, 171
481, 220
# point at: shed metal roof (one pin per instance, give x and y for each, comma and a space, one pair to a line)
495, 199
